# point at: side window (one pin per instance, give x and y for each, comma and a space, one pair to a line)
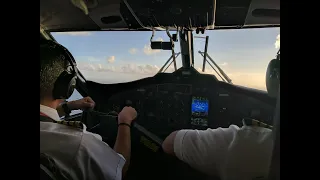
75, 96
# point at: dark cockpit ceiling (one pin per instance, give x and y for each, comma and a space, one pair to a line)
63, 15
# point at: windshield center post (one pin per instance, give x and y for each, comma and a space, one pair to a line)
186, 46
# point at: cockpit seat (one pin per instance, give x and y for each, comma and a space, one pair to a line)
273, 77
48, 169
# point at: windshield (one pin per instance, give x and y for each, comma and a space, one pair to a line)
122, 56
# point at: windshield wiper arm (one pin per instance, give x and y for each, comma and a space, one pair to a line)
216, 72
161, 69
226, 77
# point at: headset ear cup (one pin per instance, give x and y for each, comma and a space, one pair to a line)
64, 86
71, 86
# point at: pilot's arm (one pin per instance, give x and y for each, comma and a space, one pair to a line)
123, 140
84, 103
204, 150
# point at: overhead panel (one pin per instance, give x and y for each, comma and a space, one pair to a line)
168, 13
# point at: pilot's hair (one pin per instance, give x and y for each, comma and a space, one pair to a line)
51, 66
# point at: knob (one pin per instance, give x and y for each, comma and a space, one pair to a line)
128, 103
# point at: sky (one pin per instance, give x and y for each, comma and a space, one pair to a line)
123, 56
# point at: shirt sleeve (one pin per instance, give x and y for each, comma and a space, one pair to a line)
96, 160
204, 149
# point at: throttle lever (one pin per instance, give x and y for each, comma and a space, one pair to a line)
152, 136
126, 103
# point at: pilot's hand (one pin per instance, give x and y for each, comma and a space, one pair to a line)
84, 104
127, 115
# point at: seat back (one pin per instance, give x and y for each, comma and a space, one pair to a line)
49, 170
45, 174
46, 167
274, 173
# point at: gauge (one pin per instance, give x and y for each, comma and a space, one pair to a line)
116, 107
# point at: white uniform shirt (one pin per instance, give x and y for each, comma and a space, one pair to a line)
77, 152
231, 153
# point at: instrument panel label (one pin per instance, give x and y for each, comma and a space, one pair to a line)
149, 144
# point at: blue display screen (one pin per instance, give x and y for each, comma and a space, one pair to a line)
200, 106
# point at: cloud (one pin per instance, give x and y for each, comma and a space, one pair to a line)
82, 33
224, 64
92, 59
133, 50
159, 39
124, 68
247, 79
147, 48
277, 43
100, 66
148, 51
111, 59
112, 77
92, 67
130, 72
140, 69
252, 80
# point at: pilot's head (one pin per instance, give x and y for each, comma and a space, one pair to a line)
57, 73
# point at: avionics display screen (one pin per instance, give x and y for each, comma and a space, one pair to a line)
199, 111
200, 106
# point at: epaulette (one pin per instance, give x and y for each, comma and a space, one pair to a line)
76, 124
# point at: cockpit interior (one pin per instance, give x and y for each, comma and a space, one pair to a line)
165, 102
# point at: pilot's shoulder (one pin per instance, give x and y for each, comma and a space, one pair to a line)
105, 161
73, 147
51, 133
59, 141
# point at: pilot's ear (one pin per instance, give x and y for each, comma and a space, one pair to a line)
273, 77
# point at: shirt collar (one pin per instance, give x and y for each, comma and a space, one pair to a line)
52, 113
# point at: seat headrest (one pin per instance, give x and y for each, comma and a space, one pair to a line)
273, 77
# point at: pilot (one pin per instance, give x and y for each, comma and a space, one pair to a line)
67, 150
233, 153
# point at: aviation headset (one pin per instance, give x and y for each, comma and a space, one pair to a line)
66, 82
273, 76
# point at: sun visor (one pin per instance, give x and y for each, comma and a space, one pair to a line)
266, 12
161, 45
108, 17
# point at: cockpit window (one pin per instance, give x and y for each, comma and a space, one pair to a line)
123, 56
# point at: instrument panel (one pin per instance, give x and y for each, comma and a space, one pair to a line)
182, 100
163, 108
173, 101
